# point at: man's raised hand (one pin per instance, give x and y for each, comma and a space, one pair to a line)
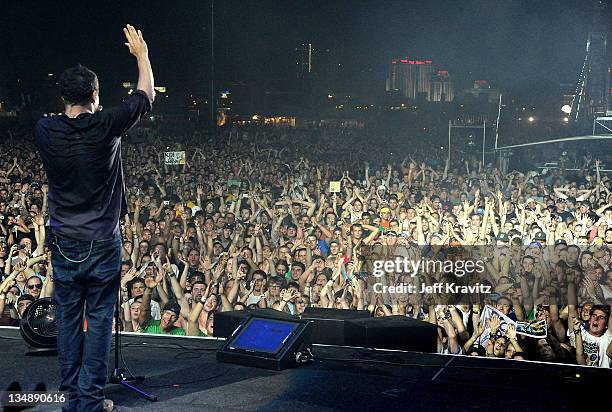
135, 42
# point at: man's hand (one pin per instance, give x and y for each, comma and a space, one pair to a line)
150, 283
135, 42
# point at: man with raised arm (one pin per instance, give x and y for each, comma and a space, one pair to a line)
81, 153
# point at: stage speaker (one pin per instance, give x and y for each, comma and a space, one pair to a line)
392, 332
268, 343
227, 322
329, 324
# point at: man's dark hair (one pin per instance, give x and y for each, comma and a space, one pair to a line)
277, 280
77, 84
33, 277
300, 264
198, 282
131, 284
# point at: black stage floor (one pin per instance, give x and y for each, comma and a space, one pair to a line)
185, 376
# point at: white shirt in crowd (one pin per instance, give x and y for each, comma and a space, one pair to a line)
595, 349
155, 309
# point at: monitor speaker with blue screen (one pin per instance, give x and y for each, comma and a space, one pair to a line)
267, 343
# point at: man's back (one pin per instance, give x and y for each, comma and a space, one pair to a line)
82, 159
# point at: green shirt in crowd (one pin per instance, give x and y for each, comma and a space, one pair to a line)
152, 326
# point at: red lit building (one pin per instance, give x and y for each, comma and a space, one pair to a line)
411, 77
441, 88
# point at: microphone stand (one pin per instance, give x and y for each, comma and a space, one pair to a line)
119, 376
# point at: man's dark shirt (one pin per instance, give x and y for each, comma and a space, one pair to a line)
82, 158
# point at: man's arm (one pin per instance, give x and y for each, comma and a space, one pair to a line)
138, 48
145, 305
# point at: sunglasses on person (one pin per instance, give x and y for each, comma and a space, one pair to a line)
36, 285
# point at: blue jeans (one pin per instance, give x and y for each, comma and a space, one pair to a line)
87, 276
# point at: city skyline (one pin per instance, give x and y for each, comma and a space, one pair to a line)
517, 47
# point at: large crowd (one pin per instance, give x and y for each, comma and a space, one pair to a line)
290, 219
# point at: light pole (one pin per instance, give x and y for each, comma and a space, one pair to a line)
484, 140
213, 109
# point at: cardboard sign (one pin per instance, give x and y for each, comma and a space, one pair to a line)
334, 187
174, 158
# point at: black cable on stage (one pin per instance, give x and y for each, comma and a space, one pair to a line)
161, 346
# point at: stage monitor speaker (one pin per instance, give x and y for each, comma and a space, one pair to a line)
227, 322
392, 332
329, 324
268, 343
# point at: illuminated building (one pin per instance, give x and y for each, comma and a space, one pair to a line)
482, 91
441, 89
411, 77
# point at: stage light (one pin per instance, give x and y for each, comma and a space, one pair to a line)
567, 109
566, 119
531, 119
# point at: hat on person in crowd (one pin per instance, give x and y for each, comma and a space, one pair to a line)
560, 242
479, 211
513, 220
540, 236
229, 226
503, 237
586, 204
173, 307
25, 296
481, 351
382, 187
385, 210
391, 233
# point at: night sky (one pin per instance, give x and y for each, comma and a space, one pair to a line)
516, 44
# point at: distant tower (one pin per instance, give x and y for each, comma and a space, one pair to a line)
303, 60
